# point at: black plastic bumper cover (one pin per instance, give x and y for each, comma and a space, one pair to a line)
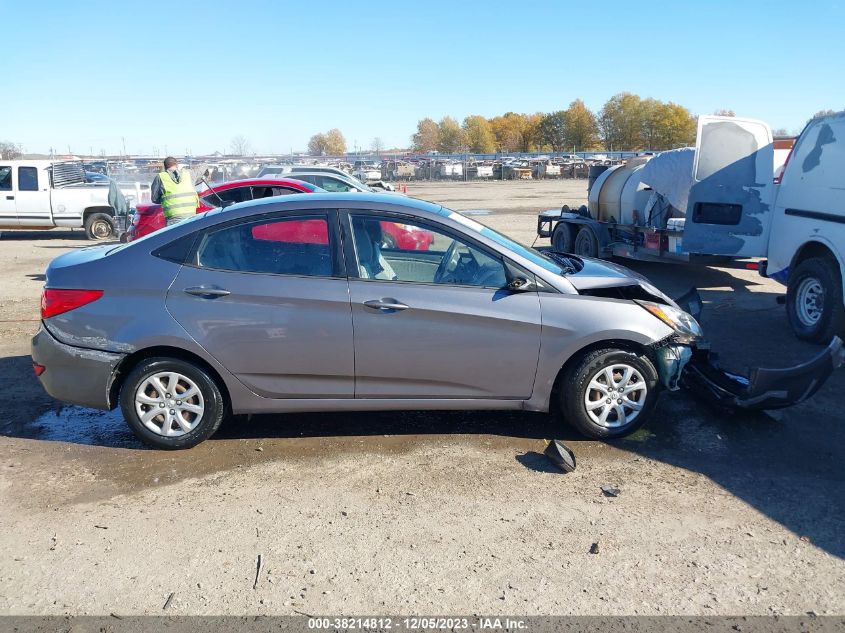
763, 388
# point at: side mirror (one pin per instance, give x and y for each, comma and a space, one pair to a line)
521, 284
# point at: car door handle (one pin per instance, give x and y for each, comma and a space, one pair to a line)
207, 291
10, 197
385, 304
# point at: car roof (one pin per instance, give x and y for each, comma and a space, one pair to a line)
267, 182
353, 200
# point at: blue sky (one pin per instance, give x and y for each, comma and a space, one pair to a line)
192, 75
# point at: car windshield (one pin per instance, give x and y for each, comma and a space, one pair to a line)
531, 254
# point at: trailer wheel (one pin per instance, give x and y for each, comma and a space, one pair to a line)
586, 243
562, 238
814, 300
99, 226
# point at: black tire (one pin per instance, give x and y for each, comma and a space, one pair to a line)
214, 404
808, 321
586, 244
562, 238
574, 389
99, 226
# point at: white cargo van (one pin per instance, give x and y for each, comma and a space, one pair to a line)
798, 223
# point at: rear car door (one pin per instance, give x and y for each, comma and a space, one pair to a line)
268, 298
32, 199
436, 322
730, 205
8, 215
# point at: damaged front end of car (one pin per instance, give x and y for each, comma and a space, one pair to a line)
695, 367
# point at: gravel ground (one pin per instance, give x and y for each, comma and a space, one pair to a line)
427, 512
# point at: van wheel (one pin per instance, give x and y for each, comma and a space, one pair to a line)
586, 243
609, 393
562, 238
171, 404
814, 300
99, 226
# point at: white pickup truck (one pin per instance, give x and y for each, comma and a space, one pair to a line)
45, 194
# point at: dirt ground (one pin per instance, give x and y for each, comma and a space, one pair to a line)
427, 512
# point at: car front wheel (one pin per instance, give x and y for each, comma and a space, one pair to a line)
609, 393
171, 404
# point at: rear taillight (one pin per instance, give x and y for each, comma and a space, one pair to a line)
38, 369
55, 301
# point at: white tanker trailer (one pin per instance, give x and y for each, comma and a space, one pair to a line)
640, 209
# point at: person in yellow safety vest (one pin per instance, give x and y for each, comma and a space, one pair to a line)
174, 190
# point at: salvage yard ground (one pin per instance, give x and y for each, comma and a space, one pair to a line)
426, 512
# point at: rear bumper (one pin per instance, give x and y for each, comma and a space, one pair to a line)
74, 374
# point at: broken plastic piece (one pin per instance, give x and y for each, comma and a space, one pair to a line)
763, 388
560, 455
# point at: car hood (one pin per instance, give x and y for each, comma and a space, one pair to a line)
590, 275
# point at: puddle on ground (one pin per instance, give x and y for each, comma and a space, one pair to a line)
79, 425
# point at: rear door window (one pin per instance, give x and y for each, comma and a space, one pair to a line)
233, 195
284, 246
27, 179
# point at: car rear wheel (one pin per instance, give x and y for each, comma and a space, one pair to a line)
814, 300
171, 404
99, 226
609, 393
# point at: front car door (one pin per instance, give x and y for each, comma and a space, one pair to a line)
730, 206
438, 322
268, 298
8, 216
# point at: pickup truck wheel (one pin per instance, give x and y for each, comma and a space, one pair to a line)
609, 393
586, 243
99, 226
814, 300
562, 238
171, 404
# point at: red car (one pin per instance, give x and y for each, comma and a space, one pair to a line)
149, 218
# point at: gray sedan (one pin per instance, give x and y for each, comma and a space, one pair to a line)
302, 303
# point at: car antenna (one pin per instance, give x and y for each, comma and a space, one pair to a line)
222, 202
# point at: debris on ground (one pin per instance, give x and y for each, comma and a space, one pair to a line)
168, 601
594, 548
258, 565
610, 491
560, 455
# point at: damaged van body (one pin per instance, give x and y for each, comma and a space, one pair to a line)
738, 194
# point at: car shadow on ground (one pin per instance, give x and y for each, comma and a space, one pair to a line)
788, 468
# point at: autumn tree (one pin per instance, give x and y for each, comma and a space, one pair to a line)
531, 141
676, 126
620, 122
377, 145
335, 143
507, 130
240, 145
478, 135
427, 136
451, 136
580, 127
553, 130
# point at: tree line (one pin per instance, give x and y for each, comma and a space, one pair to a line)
625, 122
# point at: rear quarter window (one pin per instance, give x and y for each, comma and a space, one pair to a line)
820, 157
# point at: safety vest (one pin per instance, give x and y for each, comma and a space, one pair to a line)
178, 198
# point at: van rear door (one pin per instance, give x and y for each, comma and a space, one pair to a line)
731, 201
